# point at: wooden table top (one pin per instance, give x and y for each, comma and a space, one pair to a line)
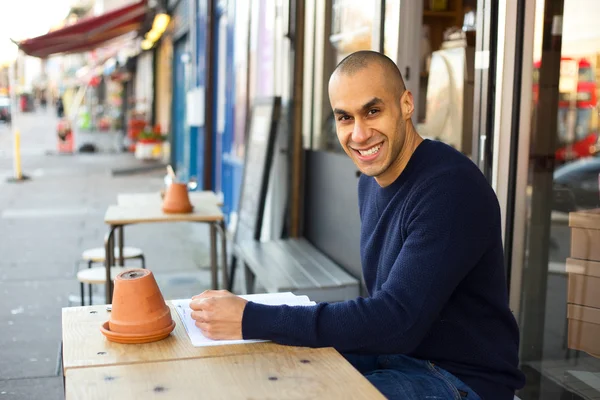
296, 374
121, 215
84, 345
154, 198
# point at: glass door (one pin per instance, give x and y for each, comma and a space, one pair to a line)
555, 296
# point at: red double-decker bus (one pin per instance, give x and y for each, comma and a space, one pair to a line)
580, 139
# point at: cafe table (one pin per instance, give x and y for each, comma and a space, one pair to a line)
155, 198
118, 216
95, 368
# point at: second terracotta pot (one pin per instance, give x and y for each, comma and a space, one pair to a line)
138, 306
177, 199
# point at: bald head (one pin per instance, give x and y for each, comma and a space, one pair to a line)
364, 59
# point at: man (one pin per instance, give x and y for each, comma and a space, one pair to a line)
436, 323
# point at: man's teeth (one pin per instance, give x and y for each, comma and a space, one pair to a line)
370, 152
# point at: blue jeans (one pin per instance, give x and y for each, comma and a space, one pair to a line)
407, 378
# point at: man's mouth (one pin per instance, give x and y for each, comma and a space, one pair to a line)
370, 151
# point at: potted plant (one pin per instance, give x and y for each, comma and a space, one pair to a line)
139, 313
149, 145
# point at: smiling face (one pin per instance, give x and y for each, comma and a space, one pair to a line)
370, 122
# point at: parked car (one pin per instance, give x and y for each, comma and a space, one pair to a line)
5, 115
576, 185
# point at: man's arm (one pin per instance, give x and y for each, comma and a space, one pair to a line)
449, 229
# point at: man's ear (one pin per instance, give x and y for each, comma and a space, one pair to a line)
407, 104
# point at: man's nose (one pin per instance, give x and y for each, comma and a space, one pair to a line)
360, 133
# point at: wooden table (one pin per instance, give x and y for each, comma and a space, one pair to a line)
204, 212
154, 198
95, 368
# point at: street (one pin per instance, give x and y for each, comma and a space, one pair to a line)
46, 223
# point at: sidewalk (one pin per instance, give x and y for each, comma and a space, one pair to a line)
45, 224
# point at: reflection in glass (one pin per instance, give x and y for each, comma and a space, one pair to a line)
352, 27
563, 175
447, 75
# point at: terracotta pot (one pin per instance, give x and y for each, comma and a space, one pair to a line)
138, 306
177, 200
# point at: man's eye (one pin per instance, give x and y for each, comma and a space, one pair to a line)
343, 118
373, 111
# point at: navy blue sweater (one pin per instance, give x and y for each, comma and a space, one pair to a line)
432, 259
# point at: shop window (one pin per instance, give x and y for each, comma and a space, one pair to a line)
447, 61
446, 73
341, 28
560, 344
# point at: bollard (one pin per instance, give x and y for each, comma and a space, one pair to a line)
17, 156
18, 173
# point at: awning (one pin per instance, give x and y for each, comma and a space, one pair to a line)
88, 33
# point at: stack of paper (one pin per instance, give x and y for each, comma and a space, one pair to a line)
199, 340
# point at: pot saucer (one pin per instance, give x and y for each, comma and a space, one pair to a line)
131, 338
168, 210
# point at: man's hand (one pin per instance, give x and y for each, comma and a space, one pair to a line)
218, 314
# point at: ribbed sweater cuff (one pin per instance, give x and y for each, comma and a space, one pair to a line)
257, 321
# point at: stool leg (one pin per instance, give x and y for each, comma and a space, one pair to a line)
81, 294
90, 285
143, 261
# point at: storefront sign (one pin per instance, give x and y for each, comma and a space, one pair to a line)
195, 107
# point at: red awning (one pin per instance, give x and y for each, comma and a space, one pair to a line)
88, 33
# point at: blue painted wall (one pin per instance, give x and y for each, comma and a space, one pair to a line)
178, 113
227, 167
183, 144
199, 80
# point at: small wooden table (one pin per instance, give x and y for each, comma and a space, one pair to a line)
204, 212
154, 198
95, 368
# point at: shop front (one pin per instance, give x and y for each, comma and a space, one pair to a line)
514, 87
555, 171
184, 144
434, 46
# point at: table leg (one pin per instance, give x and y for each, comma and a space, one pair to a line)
225, 273
213, 256
232, 272
121, 247
109, 261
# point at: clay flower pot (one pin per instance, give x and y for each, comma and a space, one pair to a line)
139, 312
177, 200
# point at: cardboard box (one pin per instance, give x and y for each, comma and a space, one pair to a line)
584, 290
584, 329
585, 234
585, 244
583, 267
584, 282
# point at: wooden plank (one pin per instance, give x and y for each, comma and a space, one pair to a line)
289, 264
322, 262
154, 198
116, 215
85, 346
261, 263
306, 374
297, 266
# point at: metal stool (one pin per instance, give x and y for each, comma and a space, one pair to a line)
98, 255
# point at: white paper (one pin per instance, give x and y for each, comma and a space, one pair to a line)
184, 311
